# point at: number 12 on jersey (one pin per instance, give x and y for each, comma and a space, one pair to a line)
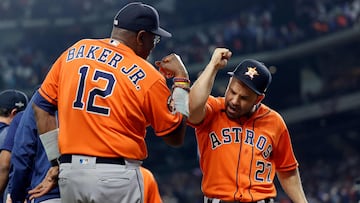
94, 92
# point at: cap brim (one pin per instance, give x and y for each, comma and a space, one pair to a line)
161, 32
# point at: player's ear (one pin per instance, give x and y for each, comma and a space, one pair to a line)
13, 112
140, 38
260, 98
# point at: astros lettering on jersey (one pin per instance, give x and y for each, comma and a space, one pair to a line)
226, 174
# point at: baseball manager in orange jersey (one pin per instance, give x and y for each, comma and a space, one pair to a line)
107, 94
242, 143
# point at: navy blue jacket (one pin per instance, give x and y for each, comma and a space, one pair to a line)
30, 163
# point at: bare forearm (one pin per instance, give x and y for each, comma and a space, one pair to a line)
45, 121
4, 177
202, 87
200, 92
291, 184
5, 157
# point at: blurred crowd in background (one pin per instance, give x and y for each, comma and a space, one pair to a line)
35, 32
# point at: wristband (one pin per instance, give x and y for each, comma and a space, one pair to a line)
183, 83
177, 79
184, 87
181, 101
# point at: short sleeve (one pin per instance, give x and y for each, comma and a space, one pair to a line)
157, 107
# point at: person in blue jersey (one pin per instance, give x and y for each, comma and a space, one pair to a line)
30, 162
5, 156
11, 103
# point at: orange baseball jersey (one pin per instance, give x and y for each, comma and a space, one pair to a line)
151, 189
236, 156
106, 97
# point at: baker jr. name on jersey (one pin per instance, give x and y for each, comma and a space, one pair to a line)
233, 135
103, 55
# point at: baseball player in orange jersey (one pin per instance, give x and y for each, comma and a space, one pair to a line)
151, 189
242, 143
107, 94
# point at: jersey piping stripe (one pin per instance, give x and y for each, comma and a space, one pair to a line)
251, 161
252, 155
54, 101
237, 169
139, 182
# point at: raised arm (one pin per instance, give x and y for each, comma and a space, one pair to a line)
201, 89
172, 66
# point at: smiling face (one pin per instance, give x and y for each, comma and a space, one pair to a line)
240, 99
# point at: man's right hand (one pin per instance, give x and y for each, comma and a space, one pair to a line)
172, 66
220, 58
50, 181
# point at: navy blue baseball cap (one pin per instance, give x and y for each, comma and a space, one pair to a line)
11, 99
137, 16
254, 74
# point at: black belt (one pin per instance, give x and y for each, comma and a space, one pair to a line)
67, 158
